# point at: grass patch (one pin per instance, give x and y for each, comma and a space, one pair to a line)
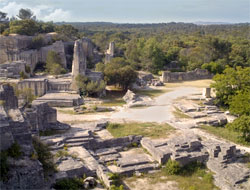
50, 132
152, 93
113, 102
179, 114
225, 133
152, 130
113, 98
191, 177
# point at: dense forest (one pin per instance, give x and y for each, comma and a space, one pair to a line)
153, 47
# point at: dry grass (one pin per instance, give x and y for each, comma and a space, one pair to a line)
196, 83
152, 130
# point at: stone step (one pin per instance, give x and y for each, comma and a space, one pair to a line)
129, 171
109, 158
133, 161
105, 151
77, 140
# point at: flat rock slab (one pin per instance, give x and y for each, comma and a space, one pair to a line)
90, 162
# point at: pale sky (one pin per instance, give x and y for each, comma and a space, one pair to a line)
133, 11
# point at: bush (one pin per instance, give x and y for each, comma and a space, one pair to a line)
4, 166
44, 156
172, 167
89, 88
69, 184
23, 75
14, 151
242, 125
53, 64
37, 42
240, 103
24, 27
27, 69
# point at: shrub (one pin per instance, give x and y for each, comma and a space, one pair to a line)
44, 156
242, 125
23, 75
24, 27
69, 184
4, 166
37, 42
240, 103
27, 69
53, 64
89, 88
14, 151
172, 167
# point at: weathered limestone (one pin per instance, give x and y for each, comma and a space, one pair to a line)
12, 69
23, 173
184, 149
58, 47
134, 100
109, 54
206, 92
61, 99
197, 74
17, 48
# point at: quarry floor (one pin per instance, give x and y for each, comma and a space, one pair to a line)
161, 112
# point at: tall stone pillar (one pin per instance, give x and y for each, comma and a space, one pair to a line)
79, 65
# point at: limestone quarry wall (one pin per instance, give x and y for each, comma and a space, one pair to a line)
17, 47
197, 74
38, 86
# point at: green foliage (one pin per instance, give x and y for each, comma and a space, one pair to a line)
213, 67
27, 69
37, 42
69, 184
231, 83
172, 167
88, 87
242, 125
68, 31
44, 156
240, 103
53, 64
14, 151
24, 27
23, 75
4, 165
100, 67
116, 181
25, 14
118, 72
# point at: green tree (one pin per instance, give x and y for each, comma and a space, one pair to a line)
53, 64
100, 67
68, 31
26, 14
24, 27
230, 83
240, 103
242, 125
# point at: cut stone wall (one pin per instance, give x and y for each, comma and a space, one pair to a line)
17, 47
38, 86
197, 74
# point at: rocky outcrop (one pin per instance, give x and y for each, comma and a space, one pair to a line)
134, 100
197, 74
109, 54
23, 173
13, 69
42, 117
17, 48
